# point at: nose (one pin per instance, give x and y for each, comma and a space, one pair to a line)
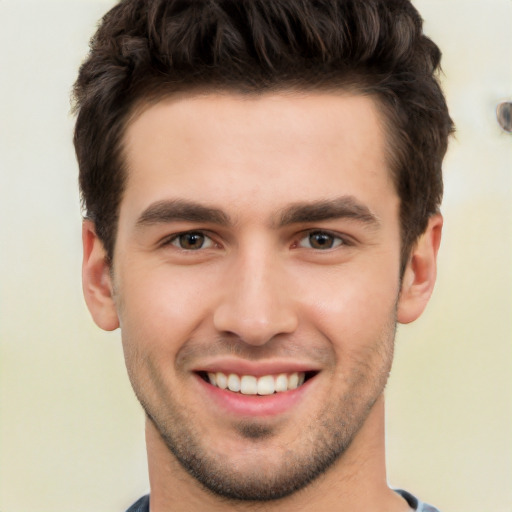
256, 303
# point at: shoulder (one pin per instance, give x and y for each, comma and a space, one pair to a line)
141, 505
415, 503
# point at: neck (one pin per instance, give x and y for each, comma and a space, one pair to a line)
357, 481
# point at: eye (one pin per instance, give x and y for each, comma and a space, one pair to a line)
321, 240
191, 241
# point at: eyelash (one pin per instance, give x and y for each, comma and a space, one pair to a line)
336, 239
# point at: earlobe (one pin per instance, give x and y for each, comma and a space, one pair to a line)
420, 273
96, 280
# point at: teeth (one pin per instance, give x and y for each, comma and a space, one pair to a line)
222, 381
266, 385
282, 382
234, 382
250, 385
293, 381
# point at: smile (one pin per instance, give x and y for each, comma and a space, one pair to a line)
251, 385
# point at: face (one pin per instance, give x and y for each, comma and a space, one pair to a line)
256, 282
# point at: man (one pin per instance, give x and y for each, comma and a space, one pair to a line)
261, 182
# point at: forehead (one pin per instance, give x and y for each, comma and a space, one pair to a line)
256, 149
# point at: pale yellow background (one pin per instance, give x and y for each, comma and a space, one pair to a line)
71, 434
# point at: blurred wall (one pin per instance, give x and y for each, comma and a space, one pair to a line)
71, 434
450, 394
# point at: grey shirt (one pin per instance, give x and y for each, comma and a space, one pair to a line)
142, 505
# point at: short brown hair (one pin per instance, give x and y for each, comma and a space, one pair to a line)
147, 49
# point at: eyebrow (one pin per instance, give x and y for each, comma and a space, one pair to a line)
173, 210
342, 207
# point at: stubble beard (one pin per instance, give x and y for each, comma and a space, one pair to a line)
323, 441
262, 483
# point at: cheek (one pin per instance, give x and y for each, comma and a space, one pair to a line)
159, 309
352, 306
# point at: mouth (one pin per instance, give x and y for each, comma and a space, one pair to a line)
251, 385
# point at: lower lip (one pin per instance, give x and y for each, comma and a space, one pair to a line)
254, 405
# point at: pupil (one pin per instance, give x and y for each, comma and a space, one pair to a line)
192, 241
321, 240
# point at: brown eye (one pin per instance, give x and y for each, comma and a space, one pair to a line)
320, 240
192, 241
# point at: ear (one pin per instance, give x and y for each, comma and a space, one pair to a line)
97, 280
420, 273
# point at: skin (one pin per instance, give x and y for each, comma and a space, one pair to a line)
260, 295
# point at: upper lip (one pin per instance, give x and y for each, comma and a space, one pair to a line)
255, 368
